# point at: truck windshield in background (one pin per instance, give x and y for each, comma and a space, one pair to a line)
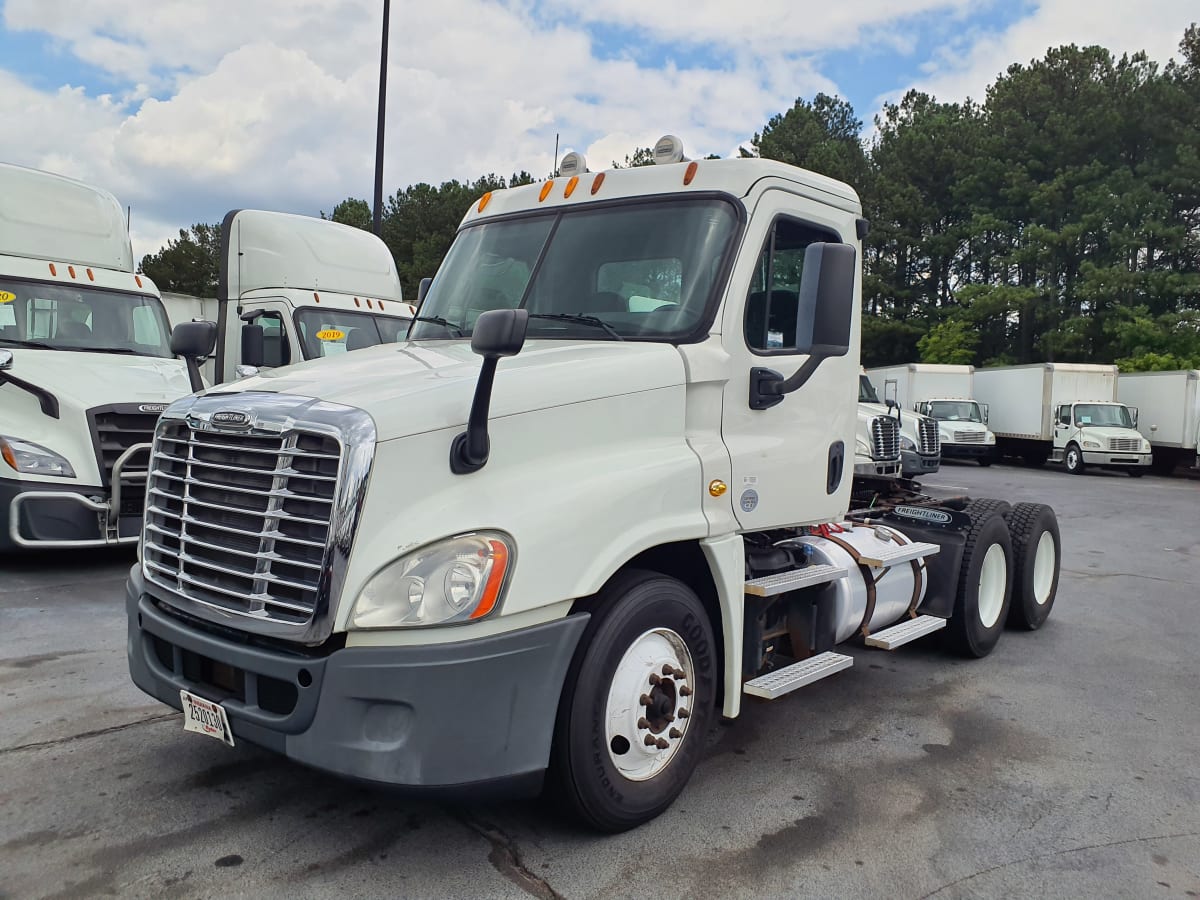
649, 271
866, 390
955, 411
1102, 414
328, 332
64, 317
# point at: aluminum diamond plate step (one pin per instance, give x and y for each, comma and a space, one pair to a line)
905, 632
797, 675
900, 553
770, 585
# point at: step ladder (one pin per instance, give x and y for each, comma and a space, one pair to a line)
905, 632
899, 553
797, 675
782, 582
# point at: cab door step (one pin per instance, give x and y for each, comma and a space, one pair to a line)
900, 553
781, 582
797, 675
905, 632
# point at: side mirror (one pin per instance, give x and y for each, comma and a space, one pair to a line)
825, 312
193, 341
985, 414
422, 290
1133, 412
253, 345
6, 360
498, 332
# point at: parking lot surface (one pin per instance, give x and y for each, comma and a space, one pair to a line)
1065, 764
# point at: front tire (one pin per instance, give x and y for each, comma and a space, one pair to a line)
985, 461
1135, 473
984, 586
1074, 459
638, 700
1037, 557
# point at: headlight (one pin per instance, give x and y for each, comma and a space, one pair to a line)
907, 443
1145, 446
459, 579
33, 459
989, 438
1091, 445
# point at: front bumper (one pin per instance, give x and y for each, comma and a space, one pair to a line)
1112, 458
467, 718
871, 468
967, 451
913, 463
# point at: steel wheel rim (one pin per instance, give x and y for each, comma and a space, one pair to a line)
644, 737
993, 578
1072, 459
1044, 557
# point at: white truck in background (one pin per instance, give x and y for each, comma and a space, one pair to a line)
944, 393
1169, 414
294, 288
631, 397
917, 445
1065, 412
87, 363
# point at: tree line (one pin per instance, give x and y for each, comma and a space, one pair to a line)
1056, 219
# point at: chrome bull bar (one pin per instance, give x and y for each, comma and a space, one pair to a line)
108, 514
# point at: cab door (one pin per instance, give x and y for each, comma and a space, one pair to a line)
1063, 426
793, 462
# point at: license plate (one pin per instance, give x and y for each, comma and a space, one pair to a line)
205, 717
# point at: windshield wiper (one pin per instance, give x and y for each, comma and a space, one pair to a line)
124, 350
37, 345
581, 319
438, 320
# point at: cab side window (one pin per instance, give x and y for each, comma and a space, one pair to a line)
774, 299
1064, 415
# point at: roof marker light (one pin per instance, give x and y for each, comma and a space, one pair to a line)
91, 277
597, 181
546, 189
573, 164
571, 186
136, 278
356, 303
483, 201
690, 173
669, 149
316, 296
53, 271
71, 269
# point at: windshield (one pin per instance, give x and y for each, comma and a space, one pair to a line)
328, 332
67, 317
640, 271
955, 410
1110, 414
866, 390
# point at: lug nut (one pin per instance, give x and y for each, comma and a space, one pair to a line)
685, 691
644, 700
654, 679
675, 733
650, 740
668, 669
679, 673
663, 744
643, 722
682, 713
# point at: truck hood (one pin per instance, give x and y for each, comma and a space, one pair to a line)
82, 380
1104, 432
908, 420
421, 386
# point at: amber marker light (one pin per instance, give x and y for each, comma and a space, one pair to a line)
717, 487
6, 452
71, 271
571, 186
597, 181
484, 201
53, 271
491, 591
691, 172
91, 277
546, 189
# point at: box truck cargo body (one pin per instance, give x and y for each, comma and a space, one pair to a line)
1066, 412
945, 394
1168, 413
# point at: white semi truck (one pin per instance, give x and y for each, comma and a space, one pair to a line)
87, 363
294, 288
944, 393
916, 435
1066, 412
631, 397
1169, 414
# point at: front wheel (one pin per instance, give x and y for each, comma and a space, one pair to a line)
639, 697
984, 586
985, 461
1074, 459
1135, 473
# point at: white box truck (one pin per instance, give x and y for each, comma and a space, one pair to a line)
87, 363
945, 394
631, 397
295, 288
1169, 413
1067, 412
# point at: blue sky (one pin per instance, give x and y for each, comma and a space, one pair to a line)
185, 110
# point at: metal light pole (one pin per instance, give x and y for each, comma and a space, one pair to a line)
383, 55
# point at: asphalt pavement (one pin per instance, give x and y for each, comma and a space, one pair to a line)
1065, 764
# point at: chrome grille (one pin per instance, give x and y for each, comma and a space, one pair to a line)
885, 438
927, 431
969, 437
241, 521
1124, 445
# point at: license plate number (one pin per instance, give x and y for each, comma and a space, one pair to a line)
205, 717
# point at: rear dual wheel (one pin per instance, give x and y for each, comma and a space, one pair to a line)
985, 582
1037, 555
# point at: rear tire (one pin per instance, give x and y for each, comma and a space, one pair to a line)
1073, 459
1037, 558
984, 586
1034, 459
643, 626
979, 506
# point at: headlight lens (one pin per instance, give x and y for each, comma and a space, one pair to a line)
1091, 445
907, 443
1145, 446
33, 459
456, 580
989, 438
